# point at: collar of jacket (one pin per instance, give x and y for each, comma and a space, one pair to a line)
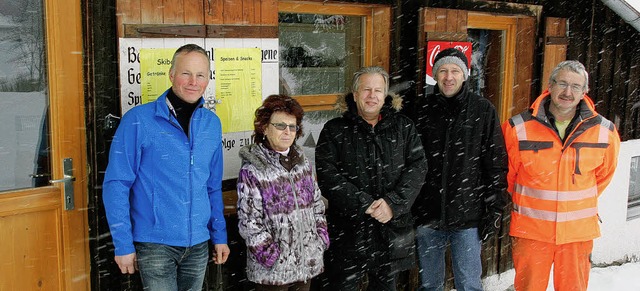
459, 98
347, 106
261, 156
586, 107
163, 105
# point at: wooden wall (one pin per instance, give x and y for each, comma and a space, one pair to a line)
197, 18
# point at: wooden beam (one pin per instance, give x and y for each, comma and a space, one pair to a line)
241, 31
164, 30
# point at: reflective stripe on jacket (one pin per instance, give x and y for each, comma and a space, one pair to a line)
555, 186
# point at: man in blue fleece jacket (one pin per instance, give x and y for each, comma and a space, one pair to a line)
162, 190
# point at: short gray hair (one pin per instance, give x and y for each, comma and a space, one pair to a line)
573, 66
370, 70
188, 48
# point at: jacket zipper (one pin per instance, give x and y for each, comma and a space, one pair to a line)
445, 169
191, 163
296, 223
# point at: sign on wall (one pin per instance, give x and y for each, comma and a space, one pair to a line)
258, 68
154, 66
238, 87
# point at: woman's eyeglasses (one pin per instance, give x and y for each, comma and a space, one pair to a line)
283, 126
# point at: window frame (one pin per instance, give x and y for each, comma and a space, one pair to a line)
633, 205
376, 44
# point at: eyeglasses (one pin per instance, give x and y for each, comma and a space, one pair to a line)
575, 88
283, 126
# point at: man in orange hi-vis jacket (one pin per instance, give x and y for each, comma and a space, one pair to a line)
562, 155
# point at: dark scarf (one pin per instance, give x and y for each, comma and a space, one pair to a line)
290, 160
183, 110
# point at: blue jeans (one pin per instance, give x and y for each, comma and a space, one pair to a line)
169, 268
465, 252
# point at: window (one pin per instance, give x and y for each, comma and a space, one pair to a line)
318, 52
633, 206
323, 44
24, 161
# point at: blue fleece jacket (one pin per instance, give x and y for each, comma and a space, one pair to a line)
162, 186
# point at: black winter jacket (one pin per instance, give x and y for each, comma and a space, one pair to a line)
465, 149
357, 164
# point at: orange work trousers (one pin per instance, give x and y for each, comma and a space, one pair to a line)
533, 259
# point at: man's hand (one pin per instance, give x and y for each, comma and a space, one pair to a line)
380, 210
128, 263
220, 253
489, 225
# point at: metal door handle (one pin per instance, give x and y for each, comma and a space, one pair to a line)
67, 179
63, 180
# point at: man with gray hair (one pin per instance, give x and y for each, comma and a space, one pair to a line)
562, 155
370, 167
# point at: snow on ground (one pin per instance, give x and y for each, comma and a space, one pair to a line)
624, 277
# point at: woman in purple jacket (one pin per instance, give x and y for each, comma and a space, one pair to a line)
280, 211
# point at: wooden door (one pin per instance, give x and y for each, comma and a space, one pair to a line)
43, 245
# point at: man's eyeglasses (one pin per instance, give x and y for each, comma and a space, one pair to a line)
575, 88
283, 126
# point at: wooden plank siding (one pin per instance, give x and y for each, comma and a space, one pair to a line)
445, 24
223, 18
523, 92
554, 51
214, 11
193, 11
151, 11
127, 11
173, 11
232, 12
380, 50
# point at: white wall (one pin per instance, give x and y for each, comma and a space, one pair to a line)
620, 240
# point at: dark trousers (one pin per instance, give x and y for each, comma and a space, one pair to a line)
348, 275
297, 286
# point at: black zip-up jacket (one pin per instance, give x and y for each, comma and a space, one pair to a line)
465, 150
357, 164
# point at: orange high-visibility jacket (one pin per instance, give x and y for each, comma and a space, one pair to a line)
554, 186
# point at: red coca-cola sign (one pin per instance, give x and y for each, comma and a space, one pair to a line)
434, 47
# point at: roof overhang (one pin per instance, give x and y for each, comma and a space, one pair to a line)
627, 9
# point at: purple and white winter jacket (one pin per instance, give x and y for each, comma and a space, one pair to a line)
281, 217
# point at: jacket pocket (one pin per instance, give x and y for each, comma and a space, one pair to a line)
401, 242
588, 156
532, 154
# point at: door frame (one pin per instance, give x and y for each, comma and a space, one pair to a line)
508, 25
64, 58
